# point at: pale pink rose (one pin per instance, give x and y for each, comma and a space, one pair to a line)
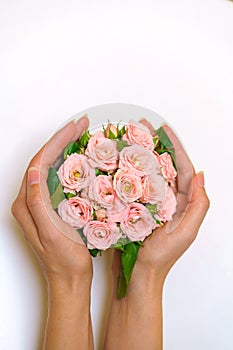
75, 211
110, 129
101, 214
117, 211
167, 208
137, 223
102, 152
101, 235
167, 168
138, 159
101, 190
154, 189
128, 185
75, 173
136, 133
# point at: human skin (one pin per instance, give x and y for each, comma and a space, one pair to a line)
66, 264
135, 321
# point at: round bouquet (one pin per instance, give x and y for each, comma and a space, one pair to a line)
115, 185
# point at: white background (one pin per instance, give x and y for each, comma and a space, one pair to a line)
174, 57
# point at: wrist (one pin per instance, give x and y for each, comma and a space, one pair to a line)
60, 287
145, 284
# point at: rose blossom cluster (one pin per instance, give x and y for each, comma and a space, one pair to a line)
112, 189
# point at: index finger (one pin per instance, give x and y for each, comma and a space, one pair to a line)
59, 141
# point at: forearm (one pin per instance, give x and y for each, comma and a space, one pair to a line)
69, 322
135, 322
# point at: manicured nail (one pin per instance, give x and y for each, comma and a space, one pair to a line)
201, 179
33, 176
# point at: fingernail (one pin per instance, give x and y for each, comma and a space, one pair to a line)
85, 116
201, 179
33, 176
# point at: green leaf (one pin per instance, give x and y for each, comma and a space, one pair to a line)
70, 195
120, 132
72, 147
52, 180
83, 141
57, 197
128, 259
111, 135
164, 139
122, 286
152, 208
121, 144
94, 252
121, 243
94, 215
100, 172
166, 144
155, 140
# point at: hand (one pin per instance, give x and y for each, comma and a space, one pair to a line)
162, 249
62, 260
135, 321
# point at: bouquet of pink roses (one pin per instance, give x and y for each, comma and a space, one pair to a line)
115, 187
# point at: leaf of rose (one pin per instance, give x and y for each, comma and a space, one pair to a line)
152, 208
70, 195
121, 144
57, 197
166, 143
52, 180
128, 259
72, 147
83, 141
94, 252
120, 132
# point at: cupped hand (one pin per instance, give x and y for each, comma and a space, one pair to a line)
163, 248
62, 260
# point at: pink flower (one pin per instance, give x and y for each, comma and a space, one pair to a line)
102, 152
167, 169
110, 129
167, 208
117, 211
137, 223
101, 214
75, 211
136, 133
101, 235
138, 159
75, 173
154, 189
101, 190
128, 185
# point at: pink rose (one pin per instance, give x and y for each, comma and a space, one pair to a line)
101, 214
110, 130
136, 133
167, 169
75, 211
75, 173
101, 235
138, 159
128, 185
167, 208
101, 190
154, 189
117, 211
137, 223
102, 152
